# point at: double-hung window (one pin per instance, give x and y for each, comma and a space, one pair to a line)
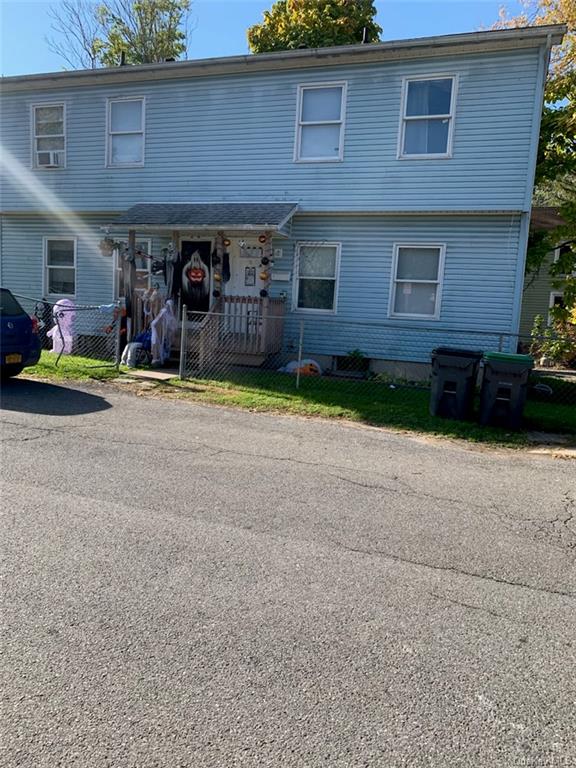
417, 272
60, 266
125, 132
320, 124
427, 117
49, 136
316, 276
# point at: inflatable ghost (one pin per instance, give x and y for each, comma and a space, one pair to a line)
62, 332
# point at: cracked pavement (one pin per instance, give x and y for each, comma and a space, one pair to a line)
196, 586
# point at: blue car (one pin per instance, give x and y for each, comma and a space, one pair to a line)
19, 342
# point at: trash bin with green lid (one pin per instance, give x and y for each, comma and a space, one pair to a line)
504, 388
454, 374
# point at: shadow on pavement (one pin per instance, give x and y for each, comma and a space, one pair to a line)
28, 396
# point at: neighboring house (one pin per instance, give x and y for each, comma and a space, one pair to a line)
390, 184
541, 291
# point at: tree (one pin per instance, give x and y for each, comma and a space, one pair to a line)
314, 24
90, 34
556, 166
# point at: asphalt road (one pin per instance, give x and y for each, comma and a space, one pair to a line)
193, 586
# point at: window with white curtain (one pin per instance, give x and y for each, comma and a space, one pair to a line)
316, 276
428, 117
60, 266
125, 132
320, 125
417, 281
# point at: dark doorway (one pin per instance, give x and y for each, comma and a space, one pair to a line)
195, 260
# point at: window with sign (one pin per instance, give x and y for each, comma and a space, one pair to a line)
60, 266
316, 276
417, 281
428, 117
143, 268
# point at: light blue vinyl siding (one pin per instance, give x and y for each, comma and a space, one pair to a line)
478, 281
21, 253
232, 138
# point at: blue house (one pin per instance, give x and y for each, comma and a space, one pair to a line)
381, 193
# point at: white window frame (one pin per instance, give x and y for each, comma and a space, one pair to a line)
118, 266
343, 84
112, 100
553, 295
450, 117
45, 281
439, 282
34, 136
296, 277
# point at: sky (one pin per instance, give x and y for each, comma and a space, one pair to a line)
219, 26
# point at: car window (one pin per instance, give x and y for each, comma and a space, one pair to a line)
8, 304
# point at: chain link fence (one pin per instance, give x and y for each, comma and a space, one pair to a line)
92, 333
335, 360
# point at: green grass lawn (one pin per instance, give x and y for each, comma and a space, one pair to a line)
378, 404
71, 368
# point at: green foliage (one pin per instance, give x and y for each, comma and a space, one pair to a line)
293, 24
556, 342
91, 35
147, 31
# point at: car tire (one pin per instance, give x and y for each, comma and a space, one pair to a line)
7, 371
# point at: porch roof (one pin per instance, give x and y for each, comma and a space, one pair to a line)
224, 216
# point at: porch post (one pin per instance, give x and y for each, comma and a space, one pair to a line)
132, 265
265, 310
219, 247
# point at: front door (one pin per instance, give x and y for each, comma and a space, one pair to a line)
245, 268
196, 285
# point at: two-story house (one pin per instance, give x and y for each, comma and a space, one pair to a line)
387, 185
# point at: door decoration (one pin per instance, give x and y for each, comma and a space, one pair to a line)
249, 276
195, 283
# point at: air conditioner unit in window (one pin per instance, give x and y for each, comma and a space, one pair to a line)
49, 160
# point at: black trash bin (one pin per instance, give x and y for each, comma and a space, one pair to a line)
504, 388
454, 374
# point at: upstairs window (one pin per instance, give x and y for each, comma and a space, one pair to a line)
49, 136
320, 125
60, 266
316, 276
417, 281
125, 132
427, 118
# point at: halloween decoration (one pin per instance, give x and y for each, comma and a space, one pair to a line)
62, 332
195, 283
163, 330
107, 246
215, 259
265, 261
226, 267
263, 293
249, 276
264, 276
262, 238
226, 243
216, 293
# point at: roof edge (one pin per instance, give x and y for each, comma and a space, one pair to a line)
439, 45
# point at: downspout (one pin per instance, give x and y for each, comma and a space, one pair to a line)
527, 207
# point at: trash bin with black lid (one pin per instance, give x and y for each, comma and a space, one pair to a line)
504, 388
454, 374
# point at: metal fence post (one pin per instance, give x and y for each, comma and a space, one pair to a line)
300, 348
182, 366
118, 313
